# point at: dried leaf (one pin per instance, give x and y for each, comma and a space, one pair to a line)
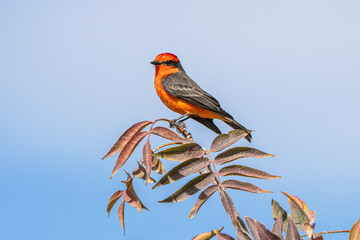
298, 211
244, 171
129, 178
292, 232
121, 214
168, 134
355, 231
182, 152
125, 138
191, 188
311, 216
224, 236
239, 152
308, 230
132, 198
204, 195
113, 200
251, 224
158, 166
243, 186
264, 233
182, 170
276, 208
140, 172
318, 236
298, 201
207, 235
148, 158
223, 141
297, 215
128, 150
278, 226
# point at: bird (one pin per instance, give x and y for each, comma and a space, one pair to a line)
184, 96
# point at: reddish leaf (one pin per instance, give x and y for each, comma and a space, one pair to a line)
204, 195
251, 224
243, 186
239, 152
182, 170
355, 231
278, 226
242, 235
241, 232
132, 198
224, 236
113, 200
298, 211
191, 188
244, 171
140, 172
127, 151
182, 152
276, 208
125, 138
222, 141
264, 233
207, 235
168, 134
129, 178
147, 156
157, 166
121, 214
292, 232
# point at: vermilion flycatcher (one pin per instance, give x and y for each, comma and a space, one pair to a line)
182, 95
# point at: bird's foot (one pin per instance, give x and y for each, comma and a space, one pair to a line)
179, 120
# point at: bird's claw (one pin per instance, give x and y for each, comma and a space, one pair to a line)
172, 124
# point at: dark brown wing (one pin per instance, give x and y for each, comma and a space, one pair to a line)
182, 86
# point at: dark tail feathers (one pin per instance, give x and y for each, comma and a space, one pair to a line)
231, 122
207, 122
235, 125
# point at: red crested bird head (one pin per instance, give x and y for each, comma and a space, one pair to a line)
167, 63
165, 58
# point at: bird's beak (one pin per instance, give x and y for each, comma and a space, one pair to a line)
155, 63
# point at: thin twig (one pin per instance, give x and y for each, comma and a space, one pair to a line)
329, 232
182, 130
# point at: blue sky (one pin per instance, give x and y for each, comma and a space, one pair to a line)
76, 74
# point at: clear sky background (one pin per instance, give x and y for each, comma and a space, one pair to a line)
76, 74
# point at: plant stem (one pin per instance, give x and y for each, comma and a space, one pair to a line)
238, 223
329, 232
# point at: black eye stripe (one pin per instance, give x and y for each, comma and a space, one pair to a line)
169, 62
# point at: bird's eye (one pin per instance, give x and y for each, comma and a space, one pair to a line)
169, 62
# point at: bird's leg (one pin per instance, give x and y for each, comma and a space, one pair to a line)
179, 119
184, 131
182, 120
